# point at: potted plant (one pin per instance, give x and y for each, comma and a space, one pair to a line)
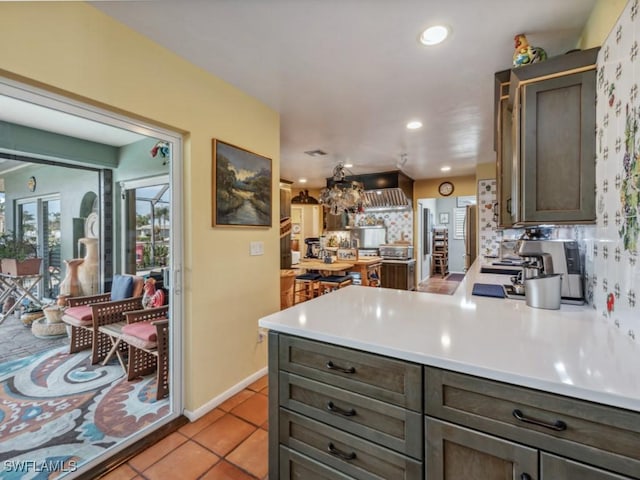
18, 257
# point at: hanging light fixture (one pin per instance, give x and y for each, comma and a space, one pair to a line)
342, 195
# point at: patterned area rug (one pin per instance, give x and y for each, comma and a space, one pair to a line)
445, 286
57, 411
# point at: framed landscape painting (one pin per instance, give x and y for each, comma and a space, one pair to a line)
241, 191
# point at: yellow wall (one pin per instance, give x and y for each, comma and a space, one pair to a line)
485, 171
603, 17
462, 186
73, 47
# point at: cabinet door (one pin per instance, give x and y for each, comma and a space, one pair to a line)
454, 453
557, 148
394, 275
557, 468
504, 152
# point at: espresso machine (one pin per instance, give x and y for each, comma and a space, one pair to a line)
545, 257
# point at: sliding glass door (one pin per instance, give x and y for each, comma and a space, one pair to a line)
38, 221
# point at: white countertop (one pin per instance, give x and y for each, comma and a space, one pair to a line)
572, 351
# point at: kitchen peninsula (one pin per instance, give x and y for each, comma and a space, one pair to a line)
379, 381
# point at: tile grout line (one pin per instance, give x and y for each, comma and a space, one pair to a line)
220, 458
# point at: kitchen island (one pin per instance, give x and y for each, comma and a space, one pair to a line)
544, 391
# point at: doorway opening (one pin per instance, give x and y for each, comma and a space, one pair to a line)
49, 215
447, 242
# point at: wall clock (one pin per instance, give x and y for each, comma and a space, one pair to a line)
445, 189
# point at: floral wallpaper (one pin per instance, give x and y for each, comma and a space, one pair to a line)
612, 267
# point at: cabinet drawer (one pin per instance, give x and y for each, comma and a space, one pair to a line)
296, 466
379, 422
349, 454
557, 467
390, 380
600, 435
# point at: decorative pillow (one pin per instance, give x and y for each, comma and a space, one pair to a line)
142, 330
121, 287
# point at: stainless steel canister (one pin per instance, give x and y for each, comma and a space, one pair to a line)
544, 291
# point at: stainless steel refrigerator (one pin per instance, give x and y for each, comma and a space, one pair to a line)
470, 235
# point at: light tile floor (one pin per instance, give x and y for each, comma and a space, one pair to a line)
228, 443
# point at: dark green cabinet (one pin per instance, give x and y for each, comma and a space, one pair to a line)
335, 412
545, 141
502, 146
453, 453
497, 427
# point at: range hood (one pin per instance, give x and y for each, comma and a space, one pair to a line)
384, 191
386, 199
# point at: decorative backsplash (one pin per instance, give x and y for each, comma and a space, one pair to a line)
612, 266
399, 223
489, 237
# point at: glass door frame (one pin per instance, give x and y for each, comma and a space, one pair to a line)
40, 221
37, 96
126, 185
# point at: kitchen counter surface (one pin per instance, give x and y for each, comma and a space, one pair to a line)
366, 260
327, 267
572, 351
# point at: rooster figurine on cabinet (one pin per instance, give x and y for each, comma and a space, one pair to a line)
525, 53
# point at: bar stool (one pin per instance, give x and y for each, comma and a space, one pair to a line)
334, 282
306, 286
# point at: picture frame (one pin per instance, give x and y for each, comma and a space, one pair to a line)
241, 193
444, 218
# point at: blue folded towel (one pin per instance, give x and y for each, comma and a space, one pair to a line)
487, 290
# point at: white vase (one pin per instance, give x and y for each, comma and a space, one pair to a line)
88, 270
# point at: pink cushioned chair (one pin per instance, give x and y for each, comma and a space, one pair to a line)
147, 336
85, 315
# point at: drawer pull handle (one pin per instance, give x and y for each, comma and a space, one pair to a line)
525, 476
558, 426
331, 366
341, 411
340, 454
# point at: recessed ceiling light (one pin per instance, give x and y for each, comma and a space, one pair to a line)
434, 35
414, 125
303, 180
445, 169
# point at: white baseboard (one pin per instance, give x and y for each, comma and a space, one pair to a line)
214, 402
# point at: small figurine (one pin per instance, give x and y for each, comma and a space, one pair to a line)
151, 297
525, 54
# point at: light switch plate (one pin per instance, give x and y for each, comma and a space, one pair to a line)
256, 248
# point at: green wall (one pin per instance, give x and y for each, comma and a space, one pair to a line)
20, 139
130, 162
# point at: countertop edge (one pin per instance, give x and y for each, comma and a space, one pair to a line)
465, 368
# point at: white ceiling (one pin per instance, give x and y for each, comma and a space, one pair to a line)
347, 75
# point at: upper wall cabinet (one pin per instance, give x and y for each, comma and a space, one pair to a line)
502, 146
550, 115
